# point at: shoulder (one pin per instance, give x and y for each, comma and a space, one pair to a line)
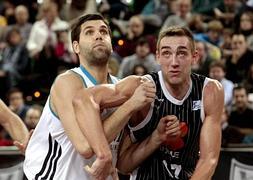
213, 86
67, 81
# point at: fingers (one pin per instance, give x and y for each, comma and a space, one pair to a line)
20, 146
114, 174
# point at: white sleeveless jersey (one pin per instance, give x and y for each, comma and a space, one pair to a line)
51, 155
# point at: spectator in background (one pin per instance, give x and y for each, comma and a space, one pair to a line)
22, 16
155, 12
217, 71
246, 27
242, 116
230, 134
63, 50
43, 31
248, 82
139, 70
17, 103
133, 32
214, 29
181, 17
204, 59
227, 11
42, 42
33, 116
15, 59
225, 46
76, 8
142, 56
241, 59
113, 66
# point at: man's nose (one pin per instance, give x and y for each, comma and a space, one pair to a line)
174, 60
98, 36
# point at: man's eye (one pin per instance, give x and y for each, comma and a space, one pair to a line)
89, 32
104, 32
166, 53
182, 53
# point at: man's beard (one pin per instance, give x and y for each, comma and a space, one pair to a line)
99, 57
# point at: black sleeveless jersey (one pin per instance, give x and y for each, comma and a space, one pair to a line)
165, 163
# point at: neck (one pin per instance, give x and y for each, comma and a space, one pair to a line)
178, 91
100, 73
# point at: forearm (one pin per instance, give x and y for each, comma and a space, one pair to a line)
16, 128
135, 154
205, 169
91, 125
117, 121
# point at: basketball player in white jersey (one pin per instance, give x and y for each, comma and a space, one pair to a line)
12, 124
58, 148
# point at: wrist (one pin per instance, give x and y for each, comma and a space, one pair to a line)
155, 137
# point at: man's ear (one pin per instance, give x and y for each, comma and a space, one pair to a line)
195, 57
76, 47
157, 55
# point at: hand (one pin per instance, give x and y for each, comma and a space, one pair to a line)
22, 146
168, 128
143, 95
177, 142
101, 169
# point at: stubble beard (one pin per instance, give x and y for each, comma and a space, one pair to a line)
99, 57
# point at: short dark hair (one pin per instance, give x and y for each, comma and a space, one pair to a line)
76, 27
240, 87
13, 91
176, 31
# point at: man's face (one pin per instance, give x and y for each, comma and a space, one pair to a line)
94, 43
245, 22
184, 7
200, 47
214, 35
239, 45
136, 26
16, 100
241, 98
217, 73
21, 15
142, 50
175, 57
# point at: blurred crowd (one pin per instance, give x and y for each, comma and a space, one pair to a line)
35, 47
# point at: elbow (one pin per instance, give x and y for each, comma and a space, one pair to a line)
123, 167
85, 152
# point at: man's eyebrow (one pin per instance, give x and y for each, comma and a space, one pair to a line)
165, 47
182, 48
88, 27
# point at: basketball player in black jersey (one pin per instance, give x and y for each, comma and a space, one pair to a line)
193, 100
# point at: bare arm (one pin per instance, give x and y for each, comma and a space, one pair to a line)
131, 155
62, 94
210, 137
111, 96
13, 124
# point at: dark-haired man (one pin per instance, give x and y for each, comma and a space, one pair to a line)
58, 149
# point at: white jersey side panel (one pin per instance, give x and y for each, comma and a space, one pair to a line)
51, 155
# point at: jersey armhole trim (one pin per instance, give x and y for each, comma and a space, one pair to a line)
84, 83
141, 124
51, 109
